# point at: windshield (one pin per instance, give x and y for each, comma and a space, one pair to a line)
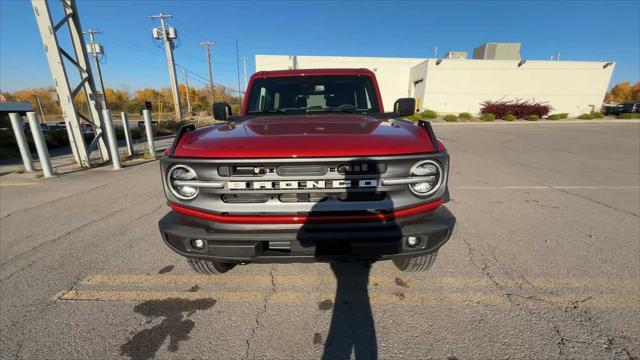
315, 93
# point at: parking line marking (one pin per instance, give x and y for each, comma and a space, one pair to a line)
328, 279
375, 297
17, 184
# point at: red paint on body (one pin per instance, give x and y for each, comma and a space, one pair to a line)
307, 219
318, 135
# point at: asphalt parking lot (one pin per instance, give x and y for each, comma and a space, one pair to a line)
544, 263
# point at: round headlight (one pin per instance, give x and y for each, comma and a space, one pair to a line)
177, 177
431, 171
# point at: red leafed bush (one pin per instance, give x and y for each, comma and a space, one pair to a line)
518, 108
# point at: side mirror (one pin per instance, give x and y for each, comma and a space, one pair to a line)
221, 111
405, 106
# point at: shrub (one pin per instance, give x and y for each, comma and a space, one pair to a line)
509, 118
465, 115
597, 115
450, 117
532, 117
555, 117
487, 117
415, 117
518, 108
629, 116
429, 114
585, 117
564, 115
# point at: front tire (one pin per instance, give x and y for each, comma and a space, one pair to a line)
209, 267
416, 264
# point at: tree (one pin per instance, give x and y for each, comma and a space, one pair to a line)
619, 93
635, 92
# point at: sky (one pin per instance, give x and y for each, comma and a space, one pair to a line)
580, 30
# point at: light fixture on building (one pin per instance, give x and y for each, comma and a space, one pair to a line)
438, 61
607, 65
522, 62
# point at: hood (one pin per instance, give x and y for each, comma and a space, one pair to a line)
317, 135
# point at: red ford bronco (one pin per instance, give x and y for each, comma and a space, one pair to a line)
312, 170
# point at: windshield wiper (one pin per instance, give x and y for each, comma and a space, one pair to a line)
348, 108
272, 111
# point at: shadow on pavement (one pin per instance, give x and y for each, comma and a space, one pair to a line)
352, 326
175, 326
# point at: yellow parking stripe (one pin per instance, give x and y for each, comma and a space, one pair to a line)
601, 301
328, 279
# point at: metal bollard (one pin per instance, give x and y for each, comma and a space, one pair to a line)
111, 139
127, 132
16, 123
149, 130
41, 145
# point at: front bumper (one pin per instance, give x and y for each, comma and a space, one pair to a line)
285, 243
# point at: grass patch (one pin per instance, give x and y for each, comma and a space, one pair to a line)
450, 118
629, 116
429, 114
487, 117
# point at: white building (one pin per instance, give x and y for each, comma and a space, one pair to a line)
460, 85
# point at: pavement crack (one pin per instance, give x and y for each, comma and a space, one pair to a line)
596, 202
53, 240
262, 311
59, 199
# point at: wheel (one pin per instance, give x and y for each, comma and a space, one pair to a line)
416, 264
209, 267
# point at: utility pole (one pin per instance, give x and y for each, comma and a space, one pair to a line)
96, 49
186, 82
238, 68
244, 66
207, 45
558, 55
167, 34
435, 52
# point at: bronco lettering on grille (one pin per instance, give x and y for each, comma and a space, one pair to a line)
305, 184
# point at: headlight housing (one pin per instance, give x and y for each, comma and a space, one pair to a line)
432, 171
178, 178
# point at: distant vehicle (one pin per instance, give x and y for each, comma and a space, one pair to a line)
630, 107
87, 128
611, 109
313, 170
626, 107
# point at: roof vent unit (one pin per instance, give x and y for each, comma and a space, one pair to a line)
456, 55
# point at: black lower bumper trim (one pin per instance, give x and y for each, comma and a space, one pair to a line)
308, 242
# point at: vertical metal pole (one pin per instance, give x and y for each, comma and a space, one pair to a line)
244, 66
127, 133
41, 146
111, 139
149, 130
186, 82
17, 123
